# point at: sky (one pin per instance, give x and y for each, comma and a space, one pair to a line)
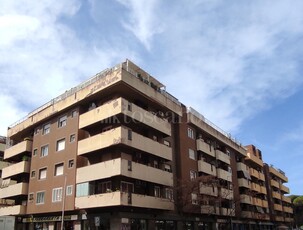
239, 63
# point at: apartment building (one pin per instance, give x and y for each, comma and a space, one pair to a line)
6, 222
280, 209
120, 152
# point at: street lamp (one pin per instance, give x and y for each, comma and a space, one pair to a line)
63, 202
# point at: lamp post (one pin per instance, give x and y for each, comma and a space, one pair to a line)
63, 203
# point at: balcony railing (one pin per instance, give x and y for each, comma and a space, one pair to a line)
14, 190
286, 199
225, 175
206, 148
242, 167
255, 159
24, 146
123, 199
274, 183
243, 182
278, 207
255, 187
278, 174
222, 156
208, 190
122, 135
284, 189
12, 210
246, 199
206, 168
122, 106
288, 209
126, 168
15, 169
276, 195
210, 209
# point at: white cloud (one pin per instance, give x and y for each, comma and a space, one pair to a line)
143, 21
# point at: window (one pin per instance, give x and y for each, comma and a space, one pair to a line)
57, 195
69, 190
74, 113
36, 131
46, 129
194, 198
192, 154
62, 121
129, 134
72, 138
192, 174
157, 192
30, 197
190, 133
127, 187
70, 163
84, 189
59, 169
169, 193
42, 173
60, 145
44, 151
40, 198
33, 173
35, 152
105, 187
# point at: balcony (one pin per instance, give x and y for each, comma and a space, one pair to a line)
279, 218
257, 202
204, 147
14, 190
274, 183
227, 212
206, 168
210, 209
246, 199
126, 168
246, 214
3, 164
278, 207
261, 176
12, 210
263, 189
242, 167
121, 135
208, 190
264, 203
288, 209
15, 169
255, 159
222, 157
289, 219
24, 146
255, 187
284, 189
123, 199
122, 106
278, 174
276, 195
226, 194
243, 183
254, 173
225, 175
286, 199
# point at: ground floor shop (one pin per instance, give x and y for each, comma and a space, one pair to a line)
137, 221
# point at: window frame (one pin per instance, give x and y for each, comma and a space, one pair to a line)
42, 154
59, 143
57, 194
40, 172
40, 200
62, 121
46, 129
57, 167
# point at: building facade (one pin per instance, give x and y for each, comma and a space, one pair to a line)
120, 152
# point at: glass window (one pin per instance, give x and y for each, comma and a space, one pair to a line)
57, 194
60, 145
40, 197
44, 151
70, 163
157, 192
72, 138
62, 121
193, 174
127, 187
192, 154
105, 187
190, 133
194, 198
74, 113
69, 190
42, 173
33, 173
59, 169
46, 129
82, 189
30, 197
35, 152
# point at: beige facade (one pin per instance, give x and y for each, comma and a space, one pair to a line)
118, 152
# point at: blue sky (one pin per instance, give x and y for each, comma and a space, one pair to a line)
239, 63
